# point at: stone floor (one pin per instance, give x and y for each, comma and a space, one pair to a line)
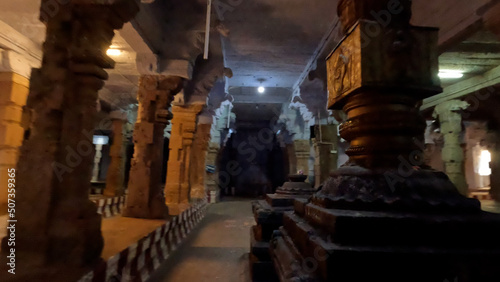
490, 206
121, 232
216, 250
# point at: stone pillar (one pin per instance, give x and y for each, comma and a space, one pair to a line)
58, 225
116, 170
292, 158
212, 178
302, 153
326, 156
145, 198
352, 229
178, 187
13, 93
97, 162
198, 159
452, 153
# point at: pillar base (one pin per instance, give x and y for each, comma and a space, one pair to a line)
419, 229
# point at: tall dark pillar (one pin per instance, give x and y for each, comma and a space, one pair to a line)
383, 216
58, 227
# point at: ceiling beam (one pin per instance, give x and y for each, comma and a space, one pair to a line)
464, 88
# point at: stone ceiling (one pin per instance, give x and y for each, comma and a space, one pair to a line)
271, 42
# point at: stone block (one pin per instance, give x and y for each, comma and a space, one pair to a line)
8, 156
11, 134
12, 113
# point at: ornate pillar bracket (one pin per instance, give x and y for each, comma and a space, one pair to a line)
450, 120
384, 215
145, 198
57, 223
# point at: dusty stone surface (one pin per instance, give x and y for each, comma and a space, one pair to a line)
217, 249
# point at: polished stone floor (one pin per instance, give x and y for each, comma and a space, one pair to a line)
216, 250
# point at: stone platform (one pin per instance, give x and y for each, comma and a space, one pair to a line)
268, 215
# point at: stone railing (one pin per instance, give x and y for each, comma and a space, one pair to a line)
111, 206
141, 259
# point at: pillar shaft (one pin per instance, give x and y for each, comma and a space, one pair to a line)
57, 222
97, 163
452, 153
198, 161
116, 170
145, 198
325, 147
13, 93
302, 153
211, 179
178, 186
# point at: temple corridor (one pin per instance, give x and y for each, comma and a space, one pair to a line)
220, 243
249, 140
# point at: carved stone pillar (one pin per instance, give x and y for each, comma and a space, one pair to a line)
178, 187
452, 153
145, 198
116, 170
326, 156
57, 224
212, 177
383, 216
302, 153
198, 159
13, 93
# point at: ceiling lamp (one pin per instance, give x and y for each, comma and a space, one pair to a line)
261, 89
450, 74
113, 52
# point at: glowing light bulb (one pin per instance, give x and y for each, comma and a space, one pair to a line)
450, 74
261, 89
113, 52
